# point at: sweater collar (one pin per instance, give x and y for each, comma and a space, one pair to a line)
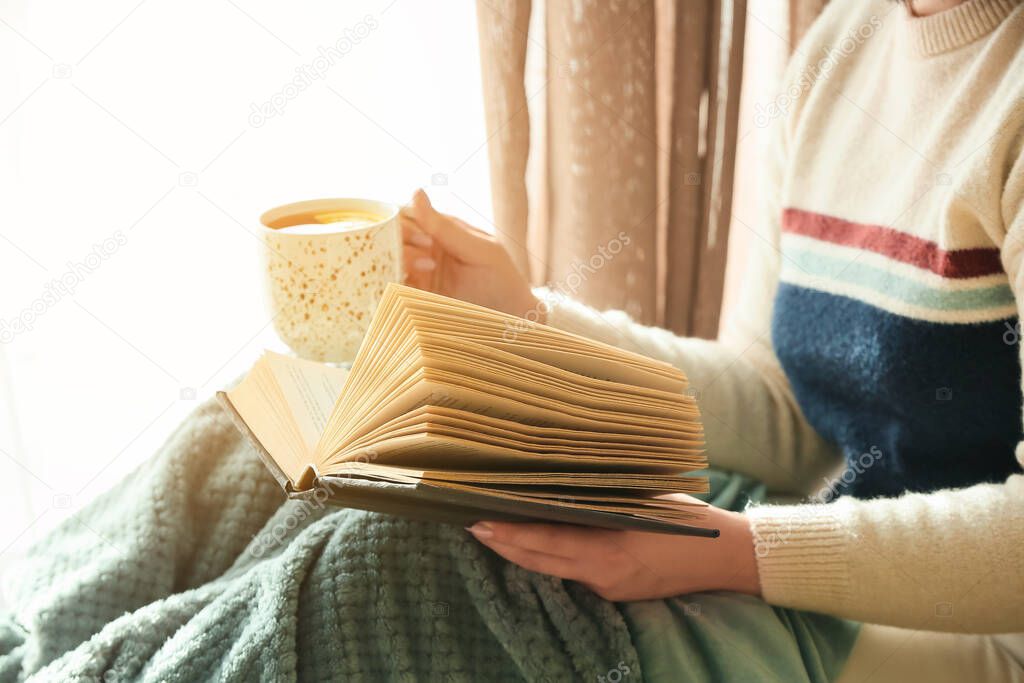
955, 27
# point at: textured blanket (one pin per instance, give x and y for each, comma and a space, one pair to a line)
196, 568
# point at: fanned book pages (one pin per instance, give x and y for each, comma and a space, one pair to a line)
457, 413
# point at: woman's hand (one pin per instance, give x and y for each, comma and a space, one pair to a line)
632, 565
446, 255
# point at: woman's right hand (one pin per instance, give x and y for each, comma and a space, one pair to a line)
448, 256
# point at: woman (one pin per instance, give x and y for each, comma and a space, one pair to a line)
879, 324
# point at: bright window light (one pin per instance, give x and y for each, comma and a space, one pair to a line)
139, 143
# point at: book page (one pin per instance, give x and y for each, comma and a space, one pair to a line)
311, 389
261, 407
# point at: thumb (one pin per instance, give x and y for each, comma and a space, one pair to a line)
456, 239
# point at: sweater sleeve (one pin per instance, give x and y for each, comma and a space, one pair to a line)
945, 561
951, 560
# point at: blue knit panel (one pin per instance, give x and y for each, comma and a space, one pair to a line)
914, 405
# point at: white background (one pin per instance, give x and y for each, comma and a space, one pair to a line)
132, 120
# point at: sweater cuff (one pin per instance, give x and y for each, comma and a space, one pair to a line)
569, 315
803, 554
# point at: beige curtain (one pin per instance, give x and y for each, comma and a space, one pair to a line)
773, 29
612, 132
802, 14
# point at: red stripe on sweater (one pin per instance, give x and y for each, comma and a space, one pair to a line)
899, 246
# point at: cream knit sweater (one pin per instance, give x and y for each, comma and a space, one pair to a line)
941, 100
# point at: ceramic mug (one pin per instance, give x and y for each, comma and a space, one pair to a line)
326, 264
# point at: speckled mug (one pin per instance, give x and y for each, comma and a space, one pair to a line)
325, 287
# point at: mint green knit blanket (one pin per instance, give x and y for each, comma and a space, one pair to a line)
195, 568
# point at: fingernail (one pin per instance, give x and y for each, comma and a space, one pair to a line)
481, 530
424, 263
421, 239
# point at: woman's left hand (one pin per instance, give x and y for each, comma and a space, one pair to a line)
632, 565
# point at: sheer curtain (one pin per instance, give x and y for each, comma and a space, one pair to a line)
139, 142
774, 27
802, 14
612, 139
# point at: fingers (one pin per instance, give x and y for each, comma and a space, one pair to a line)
595, 558
420, 215
420, 267
453, 236
413, 235
552, 565
420, 255
418, 259
561, 540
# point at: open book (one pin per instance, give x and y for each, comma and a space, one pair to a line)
457, 413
